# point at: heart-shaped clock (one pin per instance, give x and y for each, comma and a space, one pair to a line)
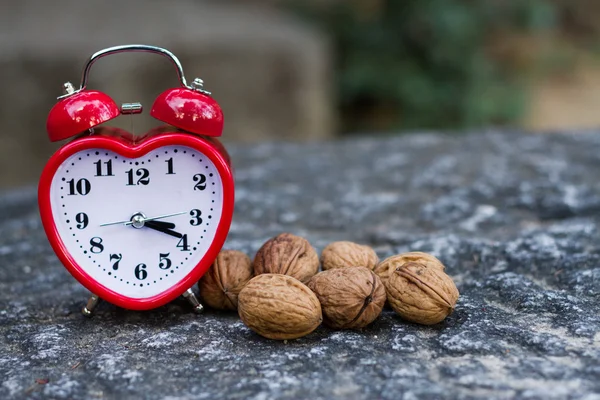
137, 220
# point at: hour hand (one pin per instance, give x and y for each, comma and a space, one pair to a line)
160, 224
160, 227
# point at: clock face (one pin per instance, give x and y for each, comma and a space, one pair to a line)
173, 194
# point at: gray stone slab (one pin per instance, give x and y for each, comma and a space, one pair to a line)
514, 217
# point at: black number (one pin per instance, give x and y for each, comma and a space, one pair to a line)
183, 243
82, 186
99, 168
167, 263
195, 213
82, 220
201, 179
170, 166
97, 246
144, 177
117, 257
130, 177
140, 272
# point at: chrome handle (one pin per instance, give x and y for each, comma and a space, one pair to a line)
129, 48
132, 48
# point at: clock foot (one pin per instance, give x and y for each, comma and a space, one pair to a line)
191, 297
93, 301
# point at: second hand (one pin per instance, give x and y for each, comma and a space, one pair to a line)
158, 217
130, 222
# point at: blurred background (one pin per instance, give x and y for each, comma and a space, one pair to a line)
307, 70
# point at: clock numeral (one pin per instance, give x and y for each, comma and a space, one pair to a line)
99, 168
117, 257
170, 166
140, 272
82, 187
97, 246
201, 179
82, 220
165, 263
195, 213
144, 177
183, 243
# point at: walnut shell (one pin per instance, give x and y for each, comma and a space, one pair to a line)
385, 268
348, 254
421, 294
221, 284
351, 298
279, 307
287, 254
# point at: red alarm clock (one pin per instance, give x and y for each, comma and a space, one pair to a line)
137, 220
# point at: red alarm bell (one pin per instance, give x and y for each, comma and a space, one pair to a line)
137, 220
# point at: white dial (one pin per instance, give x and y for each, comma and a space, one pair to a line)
174, 197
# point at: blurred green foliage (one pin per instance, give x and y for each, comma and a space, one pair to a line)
406, 64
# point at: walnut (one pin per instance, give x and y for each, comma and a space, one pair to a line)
279, 307
287, 254
348, 254
421, 294
221, 284
351, 298
385, 268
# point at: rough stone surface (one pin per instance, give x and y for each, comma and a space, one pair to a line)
513, 217
269, 72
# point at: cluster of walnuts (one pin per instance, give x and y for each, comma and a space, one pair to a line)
281, 295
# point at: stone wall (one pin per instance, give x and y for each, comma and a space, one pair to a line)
270, 73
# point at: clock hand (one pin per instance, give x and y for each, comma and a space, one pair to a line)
168, 232
157, 217
161, 228
161, 224
143, 219
115, 223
